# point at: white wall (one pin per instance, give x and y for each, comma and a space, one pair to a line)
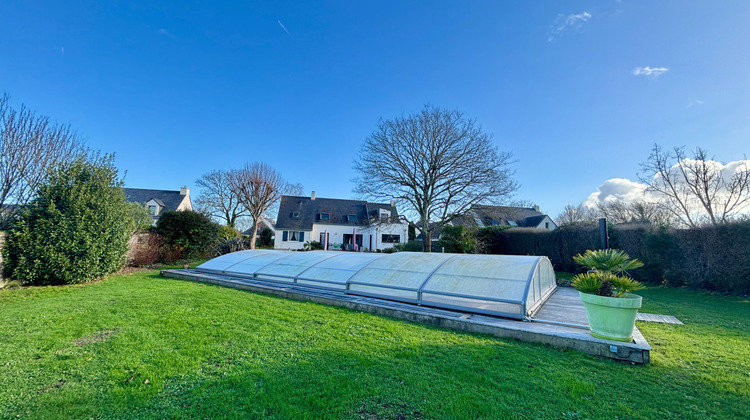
280, 243
549, 221
336, 235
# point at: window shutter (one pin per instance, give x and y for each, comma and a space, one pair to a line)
284, 236
302, 236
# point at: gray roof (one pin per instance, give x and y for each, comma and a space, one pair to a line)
483, 215
169, 199
301, 212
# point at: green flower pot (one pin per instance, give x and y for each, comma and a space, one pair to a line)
611, 318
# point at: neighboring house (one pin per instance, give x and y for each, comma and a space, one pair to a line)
338, 224
263, 223
484, 216
159, 201
480, 216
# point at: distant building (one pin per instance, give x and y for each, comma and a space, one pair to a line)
159, 201
480, 216
338, 224
484, 216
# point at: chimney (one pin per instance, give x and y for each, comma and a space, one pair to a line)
393, 203
536, 208
184, 191
312, 196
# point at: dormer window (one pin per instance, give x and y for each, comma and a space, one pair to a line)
325, 216
351, 217
295, 215
384, 214
152, 210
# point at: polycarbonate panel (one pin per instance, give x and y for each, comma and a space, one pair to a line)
292, 265
220, 264
335, 272
503, 285
251, 265
389, 276
492, 276
509, 310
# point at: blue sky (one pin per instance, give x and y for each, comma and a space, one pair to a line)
577, 91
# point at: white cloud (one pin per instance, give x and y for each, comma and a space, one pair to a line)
694, 102
650, 71
627, 191
617, 189
564, 23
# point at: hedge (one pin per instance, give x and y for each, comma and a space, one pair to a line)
710, 258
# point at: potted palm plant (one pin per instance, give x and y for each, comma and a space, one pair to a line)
605, 292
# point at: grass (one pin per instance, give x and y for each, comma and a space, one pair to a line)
142, 346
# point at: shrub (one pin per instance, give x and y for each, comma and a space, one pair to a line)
458, 239
228, 232
187, 234
146, 249
411, 246
75, 230
226, 246
265, 238
142, 220
313, 245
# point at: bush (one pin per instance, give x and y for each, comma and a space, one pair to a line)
226, 246
187, 234
142, 220
75, 230
265, 238
146, 249
411, 246
313, 246
458, 239
228, 232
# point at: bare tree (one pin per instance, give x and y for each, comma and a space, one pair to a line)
259, 187
217, 199
29, 146
697, 190
639, 211
574, 214
437, 162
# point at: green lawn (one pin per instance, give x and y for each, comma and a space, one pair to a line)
142, 346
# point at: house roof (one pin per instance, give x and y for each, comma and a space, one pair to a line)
301, 212
483, 215
171, 200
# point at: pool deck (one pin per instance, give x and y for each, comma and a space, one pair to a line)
560, 322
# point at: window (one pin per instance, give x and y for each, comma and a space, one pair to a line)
295, 214
390, 239
152, 210
351, 218
325, 216
546, 225
292, 236
384, 214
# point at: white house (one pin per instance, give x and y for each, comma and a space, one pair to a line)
338, 224
159, 201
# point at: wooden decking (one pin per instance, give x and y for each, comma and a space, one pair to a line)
663, 319
561, 322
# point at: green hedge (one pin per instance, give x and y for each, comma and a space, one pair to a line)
711, 258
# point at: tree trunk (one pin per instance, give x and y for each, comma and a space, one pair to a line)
426, 241
253, 234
